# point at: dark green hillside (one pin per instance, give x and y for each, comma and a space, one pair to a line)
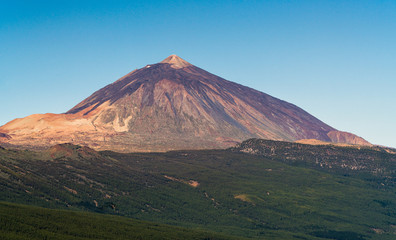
28, 222
286, 194
370, 163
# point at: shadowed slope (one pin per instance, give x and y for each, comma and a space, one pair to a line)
280, 190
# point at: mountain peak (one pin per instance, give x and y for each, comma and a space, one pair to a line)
171, 106
176, 61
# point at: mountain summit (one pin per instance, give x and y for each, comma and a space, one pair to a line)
176, 61
172, 105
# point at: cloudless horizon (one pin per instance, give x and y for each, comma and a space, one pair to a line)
334, 59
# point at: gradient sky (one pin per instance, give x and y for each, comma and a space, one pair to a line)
334, 59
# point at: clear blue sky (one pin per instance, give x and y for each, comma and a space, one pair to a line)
335, 59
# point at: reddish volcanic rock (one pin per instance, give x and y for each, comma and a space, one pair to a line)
4, 136
345, 137
172, 105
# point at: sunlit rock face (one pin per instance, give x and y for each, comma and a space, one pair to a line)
167, 106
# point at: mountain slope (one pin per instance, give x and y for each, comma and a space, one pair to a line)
172, 105
28, 222
282, 191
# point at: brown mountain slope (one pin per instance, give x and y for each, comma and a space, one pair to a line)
172, 105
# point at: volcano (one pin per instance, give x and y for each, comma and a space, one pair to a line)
168, 106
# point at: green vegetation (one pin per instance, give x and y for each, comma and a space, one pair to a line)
374, 163
282, 191
28, 222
